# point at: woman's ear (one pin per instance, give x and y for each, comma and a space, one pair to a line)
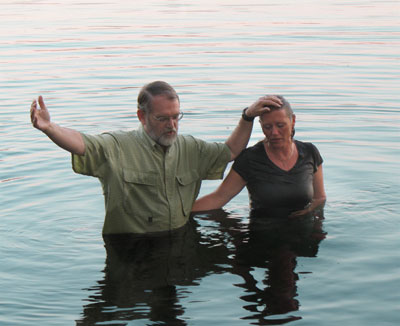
293, 123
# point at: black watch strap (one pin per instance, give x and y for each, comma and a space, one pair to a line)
246, 117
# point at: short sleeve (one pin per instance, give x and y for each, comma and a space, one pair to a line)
214, 158
94, 161
240, 165
316, 156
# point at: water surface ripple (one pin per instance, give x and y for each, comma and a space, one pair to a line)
337, 62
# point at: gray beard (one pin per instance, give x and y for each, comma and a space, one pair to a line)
166, 141
163, 140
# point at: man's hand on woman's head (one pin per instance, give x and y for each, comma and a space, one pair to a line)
262, 105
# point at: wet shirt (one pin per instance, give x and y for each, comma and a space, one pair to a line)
274, 192
146, 189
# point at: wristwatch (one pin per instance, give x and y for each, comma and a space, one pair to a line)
246, 117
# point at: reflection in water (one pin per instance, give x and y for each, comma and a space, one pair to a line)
146, 277
273, 246
142, 275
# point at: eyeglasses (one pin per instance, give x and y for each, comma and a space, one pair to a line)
175, 117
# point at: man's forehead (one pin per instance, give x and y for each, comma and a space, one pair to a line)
163, 102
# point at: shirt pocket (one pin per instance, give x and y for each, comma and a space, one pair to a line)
188, 189
139, 193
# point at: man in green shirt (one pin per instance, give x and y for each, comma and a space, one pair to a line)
150, 176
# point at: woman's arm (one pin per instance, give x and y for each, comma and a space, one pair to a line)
319, 197
228, 189
318, 183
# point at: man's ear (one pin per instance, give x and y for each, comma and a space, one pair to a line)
141, 116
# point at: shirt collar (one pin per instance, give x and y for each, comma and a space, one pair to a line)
298, 144
147, 140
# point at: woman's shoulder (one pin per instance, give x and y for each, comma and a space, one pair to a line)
307, 149
306, 145
251, 151
259, 146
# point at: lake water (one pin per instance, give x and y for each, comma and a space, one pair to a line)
337, 62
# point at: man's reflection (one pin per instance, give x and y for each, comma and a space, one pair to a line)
142, 275
147, 278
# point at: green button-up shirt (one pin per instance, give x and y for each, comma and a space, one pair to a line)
147, 189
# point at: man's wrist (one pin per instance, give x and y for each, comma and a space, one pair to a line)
48, 128
246, 117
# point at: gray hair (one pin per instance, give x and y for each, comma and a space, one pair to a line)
285, 106
153, 89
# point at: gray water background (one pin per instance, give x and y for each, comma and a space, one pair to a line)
337, 62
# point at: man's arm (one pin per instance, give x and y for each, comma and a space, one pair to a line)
68, 139
239, 138
228, 189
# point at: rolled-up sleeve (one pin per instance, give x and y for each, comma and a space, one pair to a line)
94, 161
214, 159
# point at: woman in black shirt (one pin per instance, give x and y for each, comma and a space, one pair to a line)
283, 176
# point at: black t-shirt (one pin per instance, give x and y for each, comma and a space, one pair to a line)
274, 192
